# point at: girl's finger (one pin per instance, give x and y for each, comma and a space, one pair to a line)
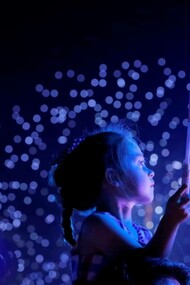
179, 193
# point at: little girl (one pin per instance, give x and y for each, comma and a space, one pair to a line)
106, 170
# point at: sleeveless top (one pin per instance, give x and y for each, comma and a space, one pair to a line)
88, 267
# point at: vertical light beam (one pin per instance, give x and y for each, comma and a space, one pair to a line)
186, 162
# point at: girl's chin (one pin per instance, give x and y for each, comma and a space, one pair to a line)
147, 200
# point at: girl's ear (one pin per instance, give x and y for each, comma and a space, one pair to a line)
112, 177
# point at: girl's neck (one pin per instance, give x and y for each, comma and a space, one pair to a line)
119, 207
122, 214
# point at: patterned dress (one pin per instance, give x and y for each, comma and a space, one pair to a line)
89, 267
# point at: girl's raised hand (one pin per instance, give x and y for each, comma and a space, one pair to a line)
178, 206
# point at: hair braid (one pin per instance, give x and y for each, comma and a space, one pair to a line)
66, 223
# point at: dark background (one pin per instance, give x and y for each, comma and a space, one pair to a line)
34, 34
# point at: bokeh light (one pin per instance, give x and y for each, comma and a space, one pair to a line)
63, 106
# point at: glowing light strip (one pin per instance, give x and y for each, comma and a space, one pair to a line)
186, 162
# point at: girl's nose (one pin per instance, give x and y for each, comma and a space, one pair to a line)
151, 173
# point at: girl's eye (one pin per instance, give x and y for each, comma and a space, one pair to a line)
142, 162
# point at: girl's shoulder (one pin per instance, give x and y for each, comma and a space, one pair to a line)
98, 216
94, 229
103, 232
99, 222
144, 234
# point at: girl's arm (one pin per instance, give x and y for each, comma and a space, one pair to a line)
177, 211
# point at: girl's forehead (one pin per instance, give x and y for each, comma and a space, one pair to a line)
133, 148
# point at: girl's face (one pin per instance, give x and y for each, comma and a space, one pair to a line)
138, 181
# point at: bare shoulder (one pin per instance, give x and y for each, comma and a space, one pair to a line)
93, 224
96, 218
98, 222
102, 233
95, 233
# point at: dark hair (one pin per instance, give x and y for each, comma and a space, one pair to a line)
81, 169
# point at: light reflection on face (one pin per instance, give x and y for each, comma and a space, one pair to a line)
138, 180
